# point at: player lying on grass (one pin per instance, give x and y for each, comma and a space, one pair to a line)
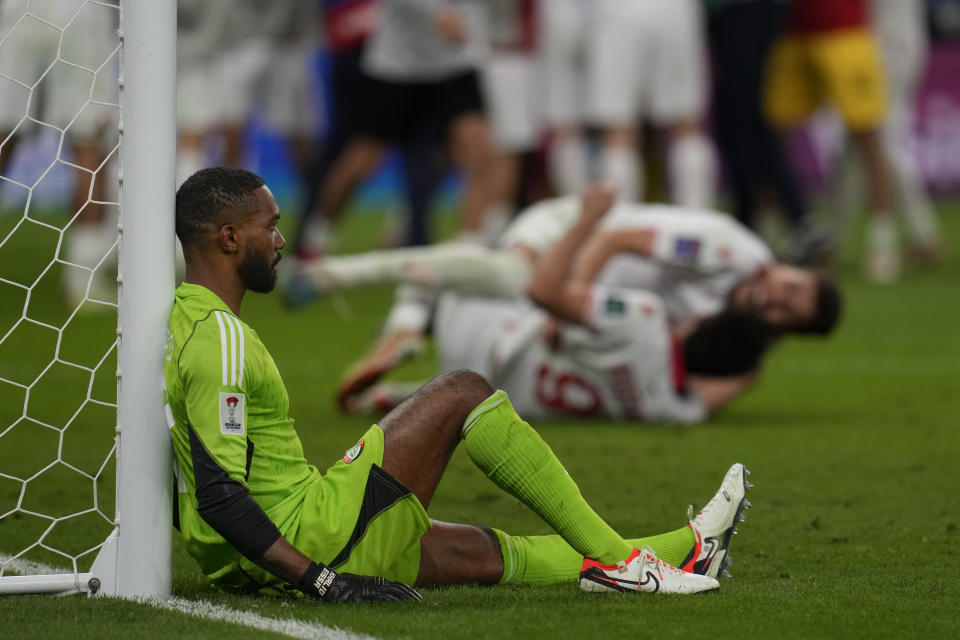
258, 517
698, 262
588, 350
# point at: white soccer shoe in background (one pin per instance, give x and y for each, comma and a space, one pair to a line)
716, 523
642, 571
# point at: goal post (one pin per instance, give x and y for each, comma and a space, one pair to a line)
134, 560
148, 139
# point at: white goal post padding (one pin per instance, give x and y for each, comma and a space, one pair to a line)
85, 289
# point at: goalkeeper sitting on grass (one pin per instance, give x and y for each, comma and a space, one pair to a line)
258, 517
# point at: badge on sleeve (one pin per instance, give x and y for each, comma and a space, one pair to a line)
615, 306
232, 414
687, 248
353, 453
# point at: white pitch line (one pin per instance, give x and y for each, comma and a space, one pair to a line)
286, 626
29, 568
290, 627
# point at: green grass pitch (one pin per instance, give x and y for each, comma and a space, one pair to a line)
853, 443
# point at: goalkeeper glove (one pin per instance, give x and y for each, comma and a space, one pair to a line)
321, 582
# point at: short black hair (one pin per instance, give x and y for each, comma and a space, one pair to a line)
727, 344
829, 303
213, 197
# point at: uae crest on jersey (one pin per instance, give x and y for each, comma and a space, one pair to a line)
353, 453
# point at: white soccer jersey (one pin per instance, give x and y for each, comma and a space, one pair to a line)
623, 366
698, 257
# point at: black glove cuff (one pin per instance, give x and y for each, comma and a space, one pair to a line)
316, 580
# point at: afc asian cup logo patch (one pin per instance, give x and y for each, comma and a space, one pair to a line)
233, 412
353, 453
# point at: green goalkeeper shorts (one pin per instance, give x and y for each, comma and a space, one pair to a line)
359, 519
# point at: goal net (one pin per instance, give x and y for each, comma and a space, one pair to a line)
86, 189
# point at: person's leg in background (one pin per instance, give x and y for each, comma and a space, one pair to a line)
741, 36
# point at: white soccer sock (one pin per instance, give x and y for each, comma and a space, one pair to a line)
464, 267
917, 209
882, 258
620, 168
567, 159
881, 232
495, 220
693, 171
86, 244
316, 235
411, 310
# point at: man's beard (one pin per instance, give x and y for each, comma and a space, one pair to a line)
256, 272
746, 306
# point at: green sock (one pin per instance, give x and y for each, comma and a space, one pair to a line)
548, 559
517, 460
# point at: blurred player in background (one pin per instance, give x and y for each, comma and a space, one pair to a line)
263, 519
902, 33
201, 36
67, 80
267, 67
830, 54
647, 61
741, 34
348, 25
612, 64
562, 35
425, 58
512, 89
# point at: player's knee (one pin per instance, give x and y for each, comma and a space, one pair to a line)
468, 387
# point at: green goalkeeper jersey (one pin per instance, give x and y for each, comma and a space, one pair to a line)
227, 408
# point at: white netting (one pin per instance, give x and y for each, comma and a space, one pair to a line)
59, 110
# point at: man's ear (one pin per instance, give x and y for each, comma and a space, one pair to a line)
228, 238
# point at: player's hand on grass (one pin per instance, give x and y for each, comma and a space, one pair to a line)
324, 584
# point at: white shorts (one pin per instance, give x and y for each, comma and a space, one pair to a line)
513, 93
563, 34
288, 106
61, 93
646, 59
259, 74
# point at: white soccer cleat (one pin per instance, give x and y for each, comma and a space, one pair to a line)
882, 263
716, 523
642, 571
882, 266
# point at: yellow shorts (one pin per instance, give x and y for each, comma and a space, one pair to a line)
842, 67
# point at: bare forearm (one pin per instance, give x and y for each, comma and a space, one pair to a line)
716, 393
283, 560
550, 286
553, 266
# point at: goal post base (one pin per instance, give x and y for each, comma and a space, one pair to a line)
101, 580
58, 583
